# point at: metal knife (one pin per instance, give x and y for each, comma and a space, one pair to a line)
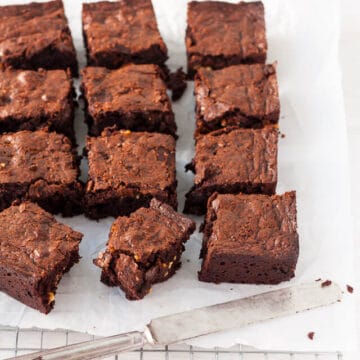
176, 328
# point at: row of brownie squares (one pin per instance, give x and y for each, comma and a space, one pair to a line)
250, 234
50, 171
37, 35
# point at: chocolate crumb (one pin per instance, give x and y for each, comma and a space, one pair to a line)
177, 84
319, 279
282, 136
326, 283
350, 289
311, 335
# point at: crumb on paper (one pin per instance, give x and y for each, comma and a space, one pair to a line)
326, 283
350, 289
311, 335
177, 83
319, 279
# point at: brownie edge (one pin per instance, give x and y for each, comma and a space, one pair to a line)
144, 248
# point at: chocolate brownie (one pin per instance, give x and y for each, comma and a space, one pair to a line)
220, 34
126, 170
116, 33
35, 252
144, 248
41, 167
240, 95
233, 160
30, 100
36, 35
250, 239
133, 97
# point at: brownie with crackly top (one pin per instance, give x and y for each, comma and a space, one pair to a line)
242, 95
250, 239
144, 248
233, 160
133, 97
36, 35
126, 170
121, 32
35, 252
30, 100
42, 167
220, 34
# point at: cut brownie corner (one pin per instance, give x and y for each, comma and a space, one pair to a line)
250, 239
144, 248
45, 251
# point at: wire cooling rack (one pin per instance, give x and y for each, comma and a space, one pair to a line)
15, 341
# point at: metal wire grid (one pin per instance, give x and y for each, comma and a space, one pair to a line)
15, 341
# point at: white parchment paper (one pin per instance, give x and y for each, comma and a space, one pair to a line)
303, 38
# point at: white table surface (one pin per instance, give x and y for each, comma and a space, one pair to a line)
350, 62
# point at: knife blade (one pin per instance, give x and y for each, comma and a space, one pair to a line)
211, 319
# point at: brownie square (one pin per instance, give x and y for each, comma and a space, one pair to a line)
35, 252
30, 100
233, 160
36, 35
133, 97
250, 239
41, 167
116, 33
126, 170
240, 95
144, 248
220, 34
